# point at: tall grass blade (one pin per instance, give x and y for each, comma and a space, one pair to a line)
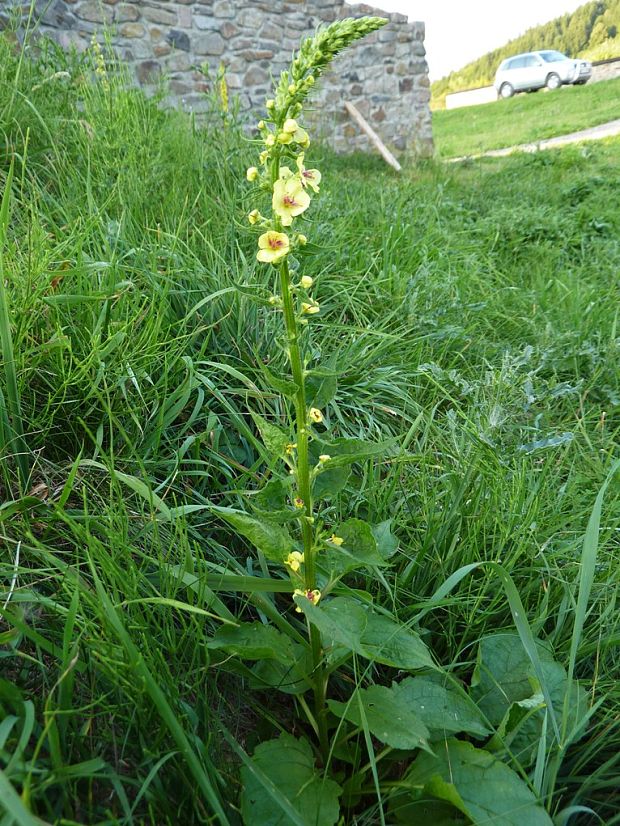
17, 444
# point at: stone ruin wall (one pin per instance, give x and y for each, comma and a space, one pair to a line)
385, 75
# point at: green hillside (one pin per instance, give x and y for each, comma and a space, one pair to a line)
591, 31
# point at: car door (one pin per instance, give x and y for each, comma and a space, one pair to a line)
516, 76
535, 72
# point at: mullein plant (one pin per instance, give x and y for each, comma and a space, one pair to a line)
290, 521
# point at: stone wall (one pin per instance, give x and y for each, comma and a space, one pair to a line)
605, 69
385, 75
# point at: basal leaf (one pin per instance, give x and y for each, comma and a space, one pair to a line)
387, 543
442, 707
288, 677
391, 643
285, 782
345, 622
478, 784
387, 718
273, 540
253, 641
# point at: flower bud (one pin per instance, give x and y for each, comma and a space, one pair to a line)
306, 282
302, 241
260, 124
292, 89
252, 173
270, 140
290, 126
270, 103
309, 309
254, 217
324, 457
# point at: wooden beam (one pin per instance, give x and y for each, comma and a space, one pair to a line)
372, 136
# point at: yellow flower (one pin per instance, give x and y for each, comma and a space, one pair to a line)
254, 216
291, 126
290, 448
306, 282
336, 540
289, 199
294, 560
302, 241
308, 177
315, 415
270, 140
252, 173
314, 597
272, 247
264, 155
309, 309
298, 502
324, 457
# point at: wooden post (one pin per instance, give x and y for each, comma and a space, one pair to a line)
372, 135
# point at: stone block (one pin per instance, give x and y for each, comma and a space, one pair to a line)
255, 76
160, 15
209, 44
180, 40
132, 30
126, 13
148, 71
93, 12
223, 8
161, 50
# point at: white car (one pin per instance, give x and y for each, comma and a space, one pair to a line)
534, 70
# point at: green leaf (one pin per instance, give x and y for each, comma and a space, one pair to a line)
286, 387
345, 451
288, 677
253, 641
273, 540
274, 438
345, 622
282, 787
380, 709
508, 691
442, 707
359, 544
425, 812
391, 643
472, 780
503, 674
330, 482
387, 543
321, 387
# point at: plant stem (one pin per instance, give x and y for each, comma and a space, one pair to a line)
304, 491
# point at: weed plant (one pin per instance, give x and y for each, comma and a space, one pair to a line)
467, 324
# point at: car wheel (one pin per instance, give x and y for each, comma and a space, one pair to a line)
553, 81
506, 91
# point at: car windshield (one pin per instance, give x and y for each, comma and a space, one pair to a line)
552, 57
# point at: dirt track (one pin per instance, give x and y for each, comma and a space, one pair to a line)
593, 133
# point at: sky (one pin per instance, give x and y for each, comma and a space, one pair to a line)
459, 31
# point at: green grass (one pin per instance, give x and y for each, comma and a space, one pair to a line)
525, 118
471, 312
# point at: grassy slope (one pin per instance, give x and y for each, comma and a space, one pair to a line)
473, 313
525, 118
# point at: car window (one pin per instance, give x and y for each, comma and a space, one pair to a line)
516, 63
531, 60
552, 57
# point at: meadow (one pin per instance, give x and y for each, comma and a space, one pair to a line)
525, 118
468, 314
